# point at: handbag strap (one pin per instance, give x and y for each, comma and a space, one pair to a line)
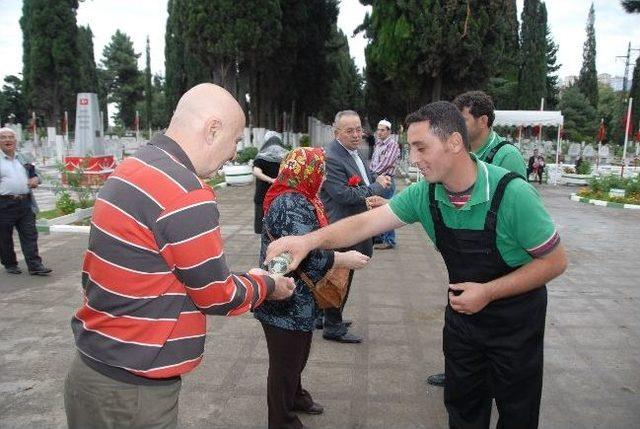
303, 276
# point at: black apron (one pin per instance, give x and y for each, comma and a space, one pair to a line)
497, 352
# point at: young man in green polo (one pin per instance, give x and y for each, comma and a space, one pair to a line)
477, 109
500, 247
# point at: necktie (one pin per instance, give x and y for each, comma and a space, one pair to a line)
363, 171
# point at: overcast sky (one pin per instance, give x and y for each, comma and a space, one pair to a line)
139, 18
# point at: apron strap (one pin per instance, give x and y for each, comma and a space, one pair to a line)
495, 150
492, 214
436, 215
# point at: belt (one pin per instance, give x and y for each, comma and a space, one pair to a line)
15, 197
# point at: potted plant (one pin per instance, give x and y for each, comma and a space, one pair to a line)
240, 172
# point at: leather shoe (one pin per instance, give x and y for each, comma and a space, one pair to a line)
40, 271
13, 270
314, 409
436, 380
344, 338
320, 323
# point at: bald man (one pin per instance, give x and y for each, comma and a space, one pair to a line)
154, 268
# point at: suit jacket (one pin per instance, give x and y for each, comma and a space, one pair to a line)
340, 199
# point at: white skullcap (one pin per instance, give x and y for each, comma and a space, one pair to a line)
385, 123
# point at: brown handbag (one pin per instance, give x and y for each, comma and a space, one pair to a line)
328, 292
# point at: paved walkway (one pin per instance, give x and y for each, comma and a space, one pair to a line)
592, 375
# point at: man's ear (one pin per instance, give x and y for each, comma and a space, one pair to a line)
212, 126
456, 143
484, 120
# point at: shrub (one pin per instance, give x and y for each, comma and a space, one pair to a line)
584, 167
305, 141
65, 203
246, 154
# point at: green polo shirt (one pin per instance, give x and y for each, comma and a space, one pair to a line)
523, 224
508, 156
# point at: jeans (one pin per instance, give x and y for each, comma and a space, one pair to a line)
388, 237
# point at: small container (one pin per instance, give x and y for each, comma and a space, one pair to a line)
280, 263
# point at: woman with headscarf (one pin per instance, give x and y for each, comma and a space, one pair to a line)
292, 206
265, 168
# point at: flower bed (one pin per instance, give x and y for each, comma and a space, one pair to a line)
599, 189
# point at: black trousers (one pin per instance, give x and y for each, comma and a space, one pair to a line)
501, 360
18, 214
288, 354
333, 316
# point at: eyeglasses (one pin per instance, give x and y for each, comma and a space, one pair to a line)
351, 130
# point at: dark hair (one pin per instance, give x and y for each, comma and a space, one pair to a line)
444, 119
478, 102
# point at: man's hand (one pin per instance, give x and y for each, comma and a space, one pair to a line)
284, 288
351, 259
258, 272
472, 298
296, 245
375, 201
384, 180
33, 182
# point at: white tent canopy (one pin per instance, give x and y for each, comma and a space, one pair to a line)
524, 118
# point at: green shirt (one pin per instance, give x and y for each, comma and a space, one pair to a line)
508, 156
523, 224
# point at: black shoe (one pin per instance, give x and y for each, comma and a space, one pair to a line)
320, 324
436, 380
40, 271
344, 338
314, 409
13, 270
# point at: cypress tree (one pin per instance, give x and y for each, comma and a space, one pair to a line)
588, 78
532, 76
631, 6
552, 91
635, 93
174, 54
121, 65
148, 89
50, 56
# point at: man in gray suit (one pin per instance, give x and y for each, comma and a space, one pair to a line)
348, 182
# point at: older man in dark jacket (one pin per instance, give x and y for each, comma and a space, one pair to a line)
348, 183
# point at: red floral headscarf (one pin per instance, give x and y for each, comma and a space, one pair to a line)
301, 171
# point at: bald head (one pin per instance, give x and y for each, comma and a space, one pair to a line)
207, 124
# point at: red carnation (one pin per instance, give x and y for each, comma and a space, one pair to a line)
354, 180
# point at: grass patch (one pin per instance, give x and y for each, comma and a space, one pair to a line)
49, 214
215, 180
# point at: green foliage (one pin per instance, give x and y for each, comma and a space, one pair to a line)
148, 89
532, 82
631, 6
12, 100
305, 140
584, 167
174, 54
635, 93
580, 123
159, 114
611, 109
599, 187
122, 76
50, 56
246, 154
588, 78
65, 203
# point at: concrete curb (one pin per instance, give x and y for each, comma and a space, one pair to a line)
575, 197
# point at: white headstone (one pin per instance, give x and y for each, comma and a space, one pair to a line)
574, 151
258, 136
89, 135
588, 151
60, 152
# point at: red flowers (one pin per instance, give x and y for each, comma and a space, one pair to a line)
354, 180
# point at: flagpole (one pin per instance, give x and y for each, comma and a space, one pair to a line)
626, 136
540, 126
137, 126
600, 137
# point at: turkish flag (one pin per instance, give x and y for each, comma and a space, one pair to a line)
63, 125
536, 130
602, 132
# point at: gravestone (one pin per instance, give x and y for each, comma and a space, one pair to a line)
603, 154
574, 152
588, 152
89, 134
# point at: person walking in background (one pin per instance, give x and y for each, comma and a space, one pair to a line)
265, 168
348, 183
154, 268
18, 208
292, 206
536, 166
383, 162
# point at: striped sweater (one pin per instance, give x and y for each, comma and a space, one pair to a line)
154, 267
